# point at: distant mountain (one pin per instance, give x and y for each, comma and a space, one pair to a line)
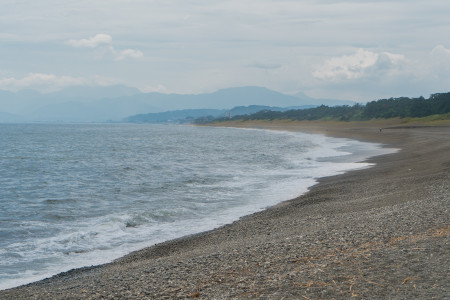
189, 115
10, 118
328, 102
176, 116
251, 109
19, 103
245, 96
74, 104
68, 112
221, 99
225, 99
88, 93
100, 104
26, 102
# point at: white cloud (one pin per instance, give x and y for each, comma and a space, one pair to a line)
159, 88
363, 63
92, 42
104, 42
40, 81
438, 65
129, 53
392, 75
440, 51
50, 82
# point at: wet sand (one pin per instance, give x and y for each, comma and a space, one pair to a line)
378, 233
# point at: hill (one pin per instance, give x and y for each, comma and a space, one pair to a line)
189, 115
403, 107
100, 104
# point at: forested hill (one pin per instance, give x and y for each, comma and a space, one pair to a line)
385, 108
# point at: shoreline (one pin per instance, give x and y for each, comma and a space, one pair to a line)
355, 154
361, 220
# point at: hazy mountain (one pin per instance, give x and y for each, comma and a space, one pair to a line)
26, 102
251, 109
99, 104
245, 96
86, 93
74, 104
188, 115
176, 116
328, 102
228, 98
11, 118
221, 99
20, 103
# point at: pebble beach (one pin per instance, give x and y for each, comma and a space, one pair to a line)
375, 233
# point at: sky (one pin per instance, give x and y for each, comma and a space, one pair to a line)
354, 50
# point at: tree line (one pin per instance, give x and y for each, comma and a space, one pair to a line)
402, 107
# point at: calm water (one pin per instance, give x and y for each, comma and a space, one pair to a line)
77, 195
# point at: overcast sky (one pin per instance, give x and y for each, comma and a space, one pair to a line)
358, 50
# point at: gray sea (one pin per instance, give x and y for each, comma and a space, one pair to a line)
76, 195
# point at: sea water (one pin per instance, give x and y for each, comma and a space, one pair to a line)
75, 195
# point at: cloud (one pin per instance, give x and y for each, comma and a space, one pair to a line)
363, 63
40, 81
92, 42
51, 82
104, 41
386, 75
129, 53
159, 88
441, 51
439, 64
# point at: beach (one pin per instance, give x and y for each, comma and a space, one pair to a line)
377, 233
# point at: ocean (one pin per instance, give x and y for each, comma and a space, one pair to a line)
74, 195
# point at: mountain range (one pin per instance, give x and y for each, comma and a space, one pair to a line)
116, 103
189, 115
